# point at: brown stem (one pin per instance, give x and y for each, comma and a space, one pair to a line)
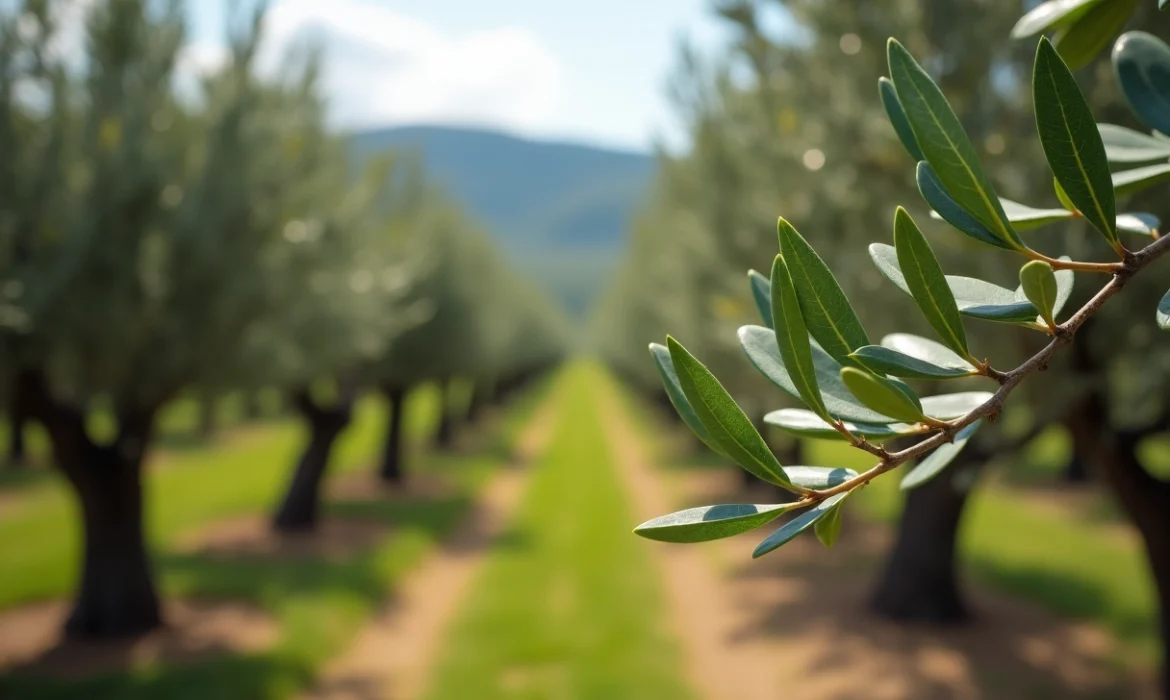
1062, 335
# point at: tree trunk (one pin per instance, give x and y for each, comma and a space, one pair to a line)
301, 504
1147, 502
1083, 433
116, 595
475, 403
920, 581
18, 419
391, 471
445, 430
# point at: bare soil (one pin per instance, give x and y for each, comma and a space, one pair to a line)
796, 624
31, 642
394, 655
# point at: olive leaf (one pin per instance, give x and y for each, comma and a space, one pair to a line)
1071, 142
797, 525
708, 523
724, 420
938, 460
826, 310
792, 338
1039, 285
945, 145
882, 395
927, 283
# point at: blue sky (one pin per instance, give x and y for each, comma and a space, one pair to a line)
585, 71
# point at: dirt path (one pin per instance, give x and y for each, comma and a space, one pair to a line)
795, 623
392, 656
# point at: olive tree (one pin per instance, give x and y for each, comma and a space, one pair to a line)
145, 233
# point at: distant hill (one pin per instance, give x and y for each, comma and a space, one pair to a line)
559, 210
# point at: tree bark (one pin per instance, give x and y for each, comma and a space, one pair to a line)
1146, 500
300, 507
18, 419
116, 595
392, 471
475, 403
445, 430
920, 581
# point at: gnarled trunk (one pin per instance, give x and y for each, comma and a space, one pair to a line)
300, 506
392, 471
920, 581
116, 595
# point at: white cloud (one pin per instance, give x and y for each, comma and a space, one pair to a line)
382, 67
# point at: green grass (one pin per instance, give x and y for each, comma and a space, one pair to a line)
569, 605
320, 604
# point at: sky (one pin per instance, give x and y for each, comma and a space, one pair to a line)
592, 72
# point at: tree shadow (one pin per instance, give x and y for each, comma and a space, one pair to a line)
807, 608
812, 603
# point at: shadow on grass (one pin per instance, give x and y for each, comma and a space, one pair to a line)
23, 477
318, 601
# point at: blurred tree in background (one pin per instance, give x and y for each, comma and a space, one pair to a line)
154, 243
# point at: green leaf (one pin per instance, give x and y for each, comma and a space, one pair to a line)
804, 423
1039, 285
1163, 315
928, 285
945, 144
1071, 141
1080, 41
819, 477
1124, 145
760, 345
762, 295
957, 405
827, 313
724, 420
945, 206
881, 395
898, 118
882, 360
975, 298
797, 525
938, 460
1064, 287
1051, 15
925, 350
1138, 222
1142, 64
828, 526
792, 338
708, 523
1063, 196
675, 392
1131, 181
1025, 218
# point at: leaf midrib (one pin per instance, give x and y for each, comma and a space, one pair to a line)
934, 302
817, 298
970, 173
726, 431
1076, 152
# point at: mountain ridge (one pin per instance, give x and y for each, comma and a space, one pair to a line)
559, 210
